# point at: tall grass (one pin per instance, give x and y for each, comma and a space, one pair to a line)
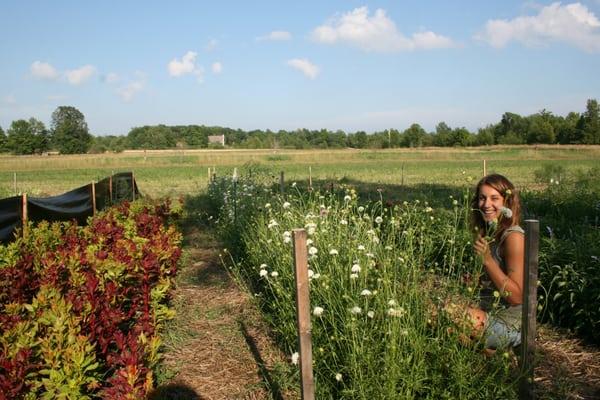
388, 286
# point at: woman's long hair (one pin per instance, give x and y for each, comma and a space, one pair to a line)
511, 200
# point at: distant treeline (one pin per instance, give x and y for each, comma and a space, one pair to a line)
29, 137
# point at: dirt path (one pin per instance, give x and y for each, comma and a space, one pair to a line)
217, 347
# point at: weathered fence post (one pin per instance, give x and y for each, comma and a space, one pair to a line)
303, 314
281, 183
15, 182
110, 190
24, 215
309, 178
209, 176
132, 186
484, 168
528, 330
402, 179
234, 178
93, 188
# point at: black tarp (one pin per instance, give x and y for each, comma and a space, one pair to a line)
74, 205
10, 217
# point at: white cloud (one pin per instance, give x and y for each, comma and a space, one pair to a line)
80, 75
9, 99
56, 97
377, 33
276, 36
309, 69
211, 45
187, 65
217, 67
128, 91
43, 70
111, 78
572, 23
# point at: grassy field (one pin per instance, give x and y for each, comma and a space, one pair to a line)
177, 172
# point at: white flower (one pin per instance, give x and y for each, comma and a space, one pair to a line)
396, 312
454, 202
506, 212
295, 358
338, 377
378, 220
309, 242
274, 274
316, 276
311, 273
370, 255
263, 272
347, 198
268, 205
375, 239
287, 239
263, 266
318, 311
356, 310
312, 251
355, 269
366, 292
428, 209
371, 314
392, 303
361, 209
286, 205
272, 223
388, 247
333, 252
293, 184
361, 247
343, 222
311, 231
353, 276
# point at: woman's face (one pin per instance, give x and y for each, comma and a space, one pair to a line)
490, 202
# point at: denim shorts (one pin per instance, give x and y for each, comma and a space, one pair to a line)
499, 335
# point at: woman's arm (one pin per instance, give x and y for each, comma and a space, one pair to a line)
513, 252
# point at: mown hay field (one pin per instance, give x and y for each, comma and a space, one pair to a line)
177, 172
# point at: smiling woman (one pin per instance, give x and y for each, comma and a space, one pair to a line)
496, 211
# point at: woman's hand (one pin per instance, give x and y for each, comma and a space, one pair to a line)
482, 247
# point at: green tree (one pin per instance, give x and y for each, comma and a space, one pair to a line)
2, 140
359, 140
442, 136
414, 136
70, 133
590, 124
512, 129
27, 137
567, 131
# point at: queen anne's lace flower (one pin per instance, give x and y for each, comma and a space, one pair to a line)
318, 311
356, 310
295, 358
355, 269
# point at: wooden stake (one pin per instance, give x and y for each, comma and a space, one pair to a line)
24, 216
209, 176
132, 187
110, 190
303, 314
15, 182
309, 178
528, 330
484, 168
281, 182
402, 180
93, 198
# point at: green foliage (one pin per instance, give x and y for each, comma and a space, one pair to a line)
569, 213
27, 137
380, 280
70, 131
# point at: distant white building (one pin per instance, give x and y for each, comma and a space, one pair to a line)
220, 139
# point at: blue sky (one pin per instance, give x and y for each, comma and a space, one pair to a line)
350, 65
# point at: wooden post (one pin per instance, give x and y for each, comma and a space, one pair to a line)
93, 188
209, 175
484, 168
15, 182
303, 314
144, 155
402, 180
132, 186
309, 178
281, 181
110, 194
24, 216
528, 330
